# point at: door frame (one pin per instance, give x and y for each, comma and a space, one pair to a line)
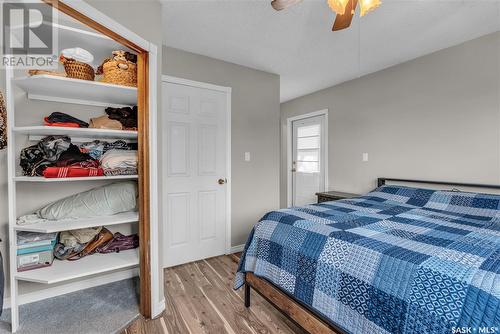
289, 153
227, 91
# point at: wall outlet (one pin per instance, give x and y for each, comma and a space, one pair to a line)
365, 157
247, 156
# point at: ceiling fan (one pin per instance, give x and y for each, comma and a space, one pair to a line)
345, 9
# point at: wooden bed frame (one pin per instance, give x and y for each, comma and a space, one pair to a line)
302, 314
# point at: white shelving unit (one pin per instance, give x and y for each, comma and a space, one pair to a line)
92, 93
34, 132
51, 226
73, 179
62, 271
84, 93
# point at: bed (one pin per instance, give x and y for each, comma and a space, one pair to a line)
396, 260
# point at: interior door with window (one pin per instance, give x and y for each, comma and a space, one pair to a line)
308, 159
194, 172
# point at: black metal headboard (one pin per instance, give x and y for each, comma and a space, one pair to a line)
382, 180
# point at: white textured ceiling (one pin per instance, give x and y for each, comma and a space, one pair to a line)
298, 43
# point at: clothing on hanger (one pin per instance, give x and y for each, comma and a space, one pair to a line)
3, 123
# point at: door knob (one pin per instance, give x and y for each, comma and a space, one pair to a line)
222, 181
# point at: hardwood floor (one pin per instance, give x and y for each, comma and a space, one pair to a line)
200, 299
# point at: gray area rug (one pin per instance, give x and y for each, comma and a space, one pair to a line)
101, 310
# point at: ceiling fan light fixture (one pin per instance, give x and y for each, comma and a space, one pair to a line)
367, 6
338, 6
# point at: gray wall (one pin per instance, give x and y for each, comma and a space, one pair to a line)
255, 125
436, 117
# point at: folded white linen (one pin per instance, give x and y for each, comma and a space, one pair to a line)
30, 219
114, 159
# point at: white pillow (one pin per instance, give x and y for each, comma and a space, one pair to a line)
106, 200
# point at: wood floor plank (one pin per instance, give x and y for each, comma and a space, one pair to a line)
136, 327
224, 297
274, 323
200, 312
174, 321
200, 299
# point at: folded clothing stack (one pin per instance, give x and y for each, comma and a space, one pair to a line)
119, 162
97, 148
57, 157
36, 158
116, 119
104, 122
64, 120
35, 250
127, 116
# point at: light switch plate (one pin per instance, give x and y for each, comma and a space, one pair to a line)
247, 156
365, 157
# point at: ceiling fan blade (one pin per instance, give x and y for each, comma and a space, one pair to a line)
344, 21
283, 4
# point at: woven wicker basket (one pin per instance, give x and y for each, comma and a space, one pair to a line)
77, 70
119, 72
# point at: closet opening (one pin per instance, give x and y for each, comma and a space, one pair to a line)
82, 177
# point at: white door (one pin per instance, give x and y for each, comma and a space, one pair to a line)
194, 172
308, 159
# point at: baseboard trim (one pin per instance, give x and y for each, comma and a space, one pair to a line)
236, 249
160, 307
59, 290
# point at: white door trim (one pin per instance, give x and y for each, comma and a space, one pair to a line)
227, 90
289, 153
192, 83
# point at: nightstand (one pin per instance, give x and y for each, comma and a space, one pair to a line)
333, 196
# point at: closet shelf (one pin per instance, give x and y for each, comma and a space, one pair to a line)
84, 133
60, 89
101, 45
69, 179
61, 271
73, 224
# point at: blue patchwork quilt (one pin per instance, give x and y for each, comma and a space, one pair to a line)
397, 260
